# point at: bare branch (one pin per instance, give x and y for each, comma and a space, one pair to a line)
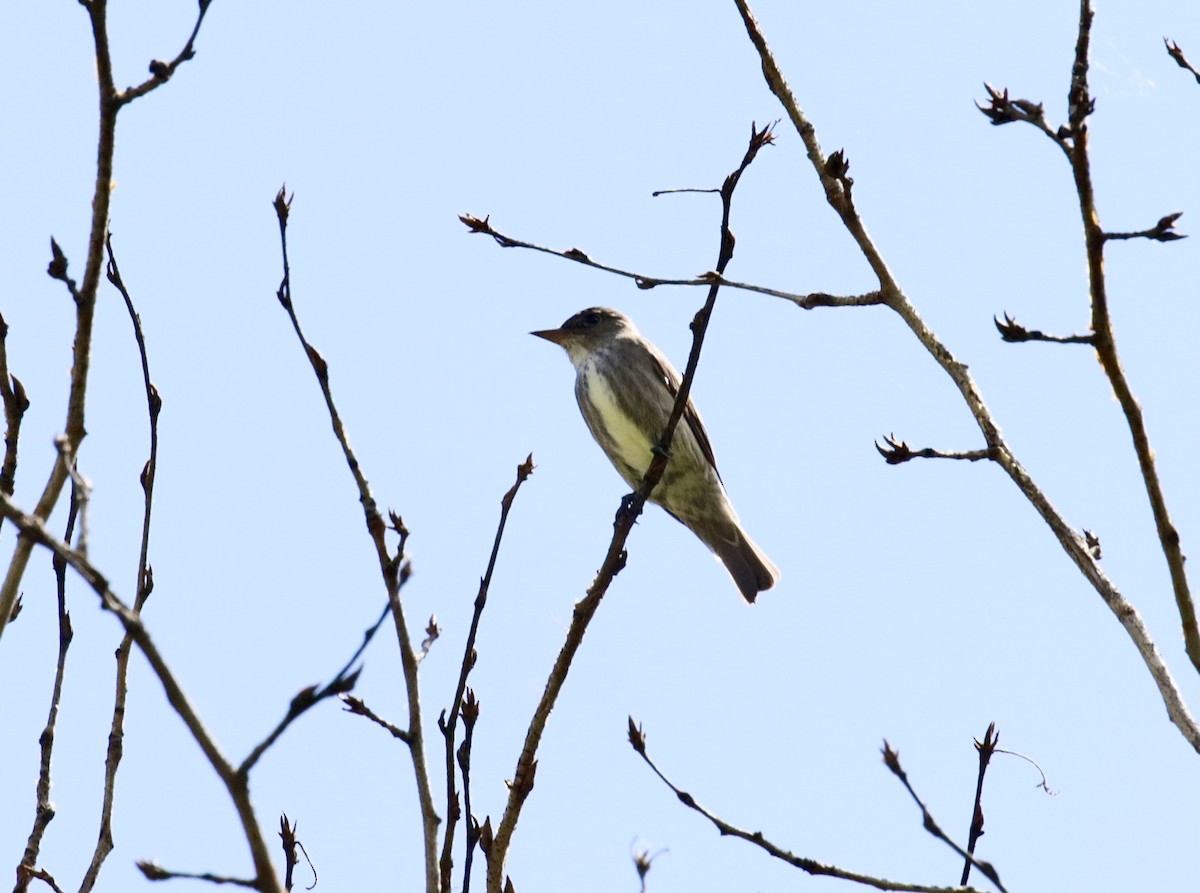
45, 811
34, 531
1012, 331
897, 451
449, 723
706, 280
637, 738
1176, 53
85, 294
614, 560
358, 708
1071, 542
1105, 338
145, 585
389, 564
1002, 110
1163, 231
891, 759
160, 72
12, 392
152, 871
986, 748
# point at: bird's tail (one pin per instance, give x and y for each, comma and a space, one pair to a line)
749, 566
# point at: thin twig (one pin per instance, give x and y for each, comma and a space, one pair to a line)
706, 280
389, 564
45, 806
34, 531
470, 713
12, 392
891, 759
614, 559
145, 585
986, 748
110, 103
637, 738
448, 722
896, 451
837, 194
1176, 53
1012, 331
358, 708
160, 72
1163, 231
152, 871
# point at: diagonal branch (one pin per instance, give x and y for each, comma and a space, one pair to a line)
837, 194
1176, 53
614, 559
389, 565
448, 724
637, 738
34, 531
891, 759
160, 72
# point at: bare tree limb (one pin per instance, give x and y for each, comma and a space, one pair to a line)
449, 723
152, 871
33, 530
1176, 53
1081, 105
110, 103
12, 392
389, 564
896, 451
891, 759
986, 748
805, 302
45, 811
831, 172
637, 738
160, 72
1012, 331
497, 847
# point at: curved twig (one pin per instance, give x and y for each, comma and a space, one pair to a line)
832, 173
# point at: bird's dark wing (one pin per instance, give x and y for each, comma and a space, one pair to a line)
690, 417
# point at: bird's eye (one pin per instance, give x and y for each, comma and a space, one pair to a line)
590, 319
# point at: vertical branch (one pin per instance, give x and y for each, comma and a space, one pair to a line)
45, 807
1081, 106
986, 748
12, 392
145, 584
85, 301
110, 103
449, 723
614, 559
389, 564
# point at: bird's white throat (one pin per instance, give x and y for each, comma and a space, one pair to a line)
635, 448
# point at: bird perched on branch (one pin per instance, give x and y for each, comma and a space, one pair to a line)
626, 389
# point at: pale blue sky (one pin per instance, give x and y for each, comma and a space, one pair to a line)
917, 603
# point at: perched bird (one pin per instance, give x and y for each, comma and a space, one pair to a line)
626, 389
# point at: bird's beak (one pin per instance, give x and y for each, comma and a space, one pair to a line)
558, 336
